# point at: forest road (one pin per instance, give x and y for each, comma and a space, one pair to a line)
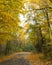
25, 58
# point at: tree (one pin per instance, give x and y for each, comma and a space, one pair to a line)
9, 10
37, 15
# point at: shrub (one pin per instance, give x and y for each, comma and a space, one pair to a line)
12, 47
47, 51
29, 47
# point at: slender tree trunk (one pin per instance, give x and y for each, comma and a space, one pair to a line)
7, 48
48, 23
0, 49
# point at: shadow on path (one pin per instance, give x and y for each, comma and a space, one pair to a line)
16, 61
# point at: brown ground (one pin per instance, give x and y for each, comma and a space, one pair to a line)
23, 58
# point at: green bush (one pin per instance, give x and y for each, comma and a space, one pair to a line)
47, 51
18, 49
29, 47
12, 47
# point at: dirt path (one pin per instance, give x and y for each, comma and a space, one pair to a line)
25, 58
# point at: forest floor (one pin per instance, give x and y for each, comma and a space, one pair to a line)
23, 58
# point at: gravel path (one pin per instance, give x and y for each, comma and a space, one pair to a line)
16, 61
22, 59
